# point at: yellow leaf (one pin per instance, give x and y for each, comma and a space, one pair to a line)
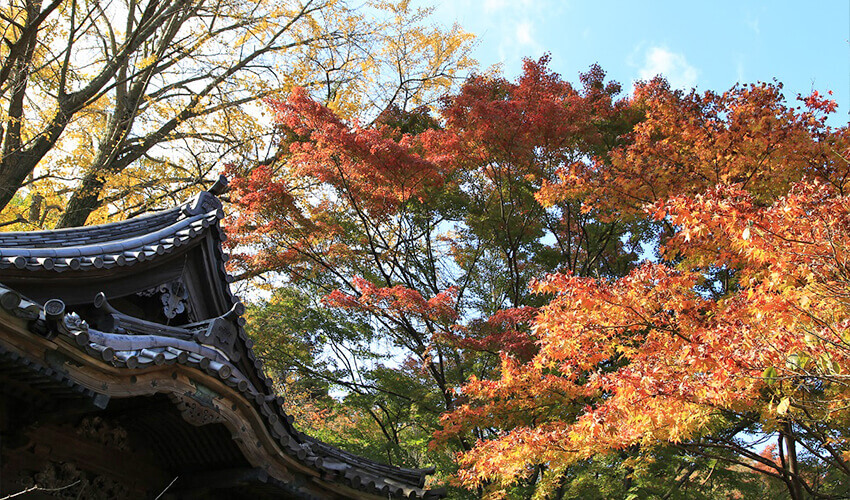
782, 408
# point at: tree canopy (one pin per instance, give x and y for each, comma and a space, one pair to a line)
734, 336
407, 222
479, 273
111, 108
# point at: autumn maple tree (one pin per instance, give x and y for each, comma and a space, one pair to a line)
734, 337
423, 232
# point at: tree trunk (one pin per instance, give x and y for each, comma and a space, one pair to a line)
792, 467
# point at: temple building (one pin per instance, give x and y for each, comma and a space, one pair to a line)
125, 372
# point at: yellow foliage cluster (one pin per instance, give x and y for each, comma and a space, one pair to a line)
129, 106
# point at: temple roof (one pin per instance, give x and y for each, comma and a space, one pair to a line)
114, 244
171, 258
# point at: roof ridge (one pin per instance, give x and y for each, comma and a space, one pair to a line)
203, 202
148, 215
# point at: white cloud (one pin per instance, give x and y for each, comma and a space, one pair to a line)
494, 5
672, 65
740, 69
510, 28
523, 33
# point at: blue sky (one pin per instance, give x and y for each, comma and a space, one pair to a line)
709, 45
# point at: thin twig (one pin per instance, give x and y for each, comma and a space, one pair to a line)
161, 492
39, 488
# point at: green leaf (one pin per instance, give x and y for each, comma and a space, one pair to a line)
769, 375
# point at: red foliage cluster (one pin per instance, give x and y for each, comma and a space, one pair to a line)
396, 302
507, 330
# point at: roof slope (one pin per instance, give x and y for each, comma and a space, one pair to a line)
114, 244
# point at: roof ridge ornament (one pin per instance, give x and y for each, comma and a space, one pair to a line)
202, 203
221, 186
207, 201
221, 332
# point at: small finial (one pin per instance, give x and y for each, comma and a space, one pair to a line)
220, 187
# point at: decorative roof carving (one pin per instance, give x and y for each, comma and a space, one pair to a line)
173, 296
195, 411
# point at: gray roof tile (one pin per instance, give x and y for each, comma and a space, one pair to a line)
117, 243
